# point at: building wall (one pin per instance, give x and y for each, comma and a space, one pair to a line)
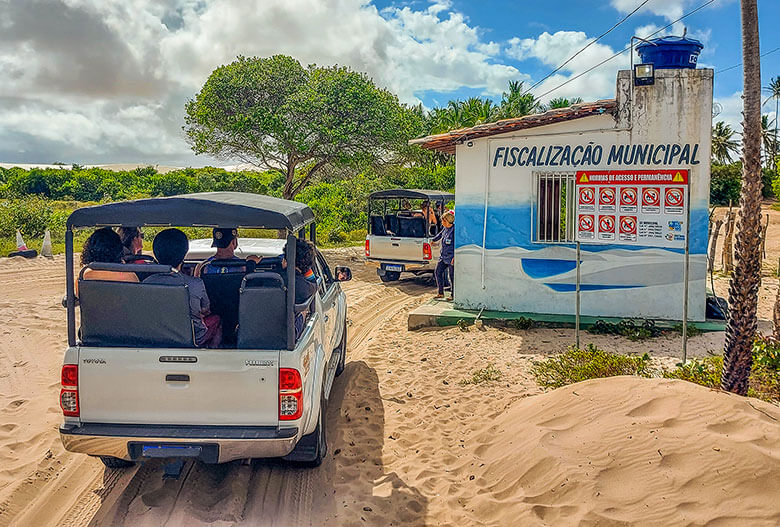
499, 266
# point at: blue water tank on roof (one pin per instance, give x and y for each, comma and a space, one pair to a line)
671, 52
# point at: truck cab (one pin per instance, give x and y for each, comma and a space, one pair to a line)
135, 384
401, 226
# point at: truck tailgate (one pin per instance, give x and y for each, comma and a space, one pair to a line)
394, 248
179, 386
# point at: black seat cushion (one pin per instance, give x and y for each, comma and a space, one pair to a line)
413, 227
223, 289
392, 223
129, 314
378, 226
262, 312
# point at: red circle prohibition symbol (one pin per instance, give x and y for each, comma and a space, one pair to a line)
587, 196
650, 196
628, 225
607, 224
607, 196
628, 196
586, 223
674, 197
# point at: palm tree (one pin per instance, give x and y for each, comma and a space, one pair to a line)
768, 138
723, 146
516, 103
746, 280
563, 102
774, 93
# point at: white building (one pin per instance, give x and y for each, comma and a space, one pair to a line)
516, 193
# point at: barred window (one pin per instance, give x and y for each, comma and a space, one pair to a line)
554, 207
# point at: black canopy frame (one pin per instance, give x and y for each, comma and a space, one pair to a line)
208, 209
438, 196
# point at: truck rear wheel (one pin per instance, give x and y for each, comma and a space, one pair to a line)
390, 276
115, 462
312, 448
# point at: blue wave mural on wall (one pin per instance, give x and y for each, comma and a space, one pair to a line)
511, 226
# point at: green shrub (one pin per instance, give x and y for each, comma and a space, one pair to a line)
705, 371
576, 364
487, 374
776, 187
764, 374
32, 216
626, 328
725, 183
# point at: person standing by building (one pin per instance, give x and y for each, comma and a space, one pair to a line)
445, 270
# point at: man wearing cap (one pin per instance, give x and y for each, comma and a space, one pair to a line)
226, 241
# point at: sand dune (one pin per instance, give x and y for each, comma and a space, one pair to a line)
408, 443
625, 449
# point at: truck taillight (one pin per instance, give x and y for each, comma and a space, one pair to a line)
69, 395
290, 394
368, 247
427, 254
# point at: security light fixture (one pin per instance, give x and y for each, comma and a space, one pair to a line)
644, 75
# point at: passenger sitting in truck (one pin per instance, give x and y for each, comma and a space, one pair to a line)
427, 210
226, 242
170, 247
133, 244
104, 246
305, 279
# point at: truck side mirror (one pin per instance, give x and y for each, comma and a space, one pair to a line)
343, 274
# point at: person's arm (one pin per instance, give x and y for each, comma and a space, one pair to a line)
205, 304
198, 269
438, 236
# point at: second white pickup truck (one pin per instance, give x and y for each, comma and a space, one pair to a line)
401, 225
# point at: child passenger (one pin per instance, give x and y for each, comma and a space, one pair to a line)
170, 247
104, 246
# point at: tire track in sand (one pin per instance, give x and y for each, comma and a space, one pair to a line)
266, 493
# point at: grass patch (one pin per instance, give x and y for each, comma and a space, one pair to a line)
576, 364
487, 374
693, 331
626, 328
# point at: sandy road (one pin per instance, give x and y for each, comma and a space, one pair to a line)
72, 490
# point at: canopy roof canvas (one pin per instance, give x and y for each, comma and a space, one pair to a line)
207, 209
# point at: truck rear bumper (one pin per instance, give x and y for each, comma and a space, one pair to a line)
219, 444
409, 266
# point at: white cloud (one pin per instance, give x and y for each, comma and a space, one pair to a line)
554, 49
113, 75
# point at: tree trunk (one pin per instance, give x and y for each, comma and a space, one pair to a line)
289, 179
746, 280
727, 255
713, 245
776, 314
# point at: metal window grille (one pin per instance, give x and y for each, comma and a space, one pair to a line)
554, 207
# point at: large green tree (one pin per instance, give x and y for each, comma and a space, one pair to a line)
277, 115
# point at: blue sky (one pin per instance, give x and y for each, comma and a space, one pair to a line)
717, 25
106, 81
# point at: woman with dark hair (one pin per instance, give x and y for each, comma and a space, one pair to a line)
132, 241
104, 246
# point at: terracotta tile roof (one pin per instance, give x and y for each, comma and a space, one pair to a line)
446, 142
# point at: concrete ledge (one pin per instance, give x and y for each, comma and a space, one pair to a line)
439, 313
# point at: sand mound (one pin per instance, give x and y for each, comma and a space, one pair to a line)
626, 449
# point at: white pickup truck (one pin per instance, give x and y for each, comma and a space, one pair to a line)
134, 383
401, 225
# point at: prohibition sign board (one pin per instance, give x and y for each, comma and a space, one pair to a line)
651, 200
587, 199
628, 198
674, 200
606, 199
606, 228
628, 228
648, 206
585, 226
